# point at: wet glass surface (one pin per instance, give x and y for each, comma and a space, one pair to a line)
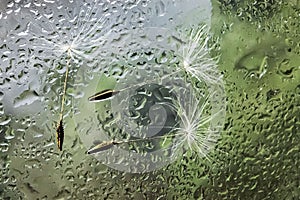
204, 102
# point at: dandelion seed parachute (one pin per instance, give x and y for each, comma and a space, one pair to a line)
196, 60
194, 132
200, 117
149, 55
62, 39
79, 34
157, 67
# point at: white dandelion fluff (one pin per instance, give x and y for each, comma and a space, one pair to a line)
201, 118
195, 56
76, 32
194, 132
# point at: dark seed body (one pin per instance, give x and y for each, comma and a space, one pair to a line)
103, 95
60, 134
101, 147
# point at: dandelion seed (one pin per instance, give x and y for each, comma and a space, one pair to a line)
193, 132
194, 129
69, 35
195, 114
60, 128
109, 144
196, 60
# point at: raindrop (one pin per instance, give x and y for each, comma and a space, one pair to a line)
285, 69
5, 121
297, 90
1, 95
3, 32
160, 8
26, 98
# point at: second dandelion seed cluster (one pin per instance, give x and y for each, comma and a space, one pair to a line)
168, 100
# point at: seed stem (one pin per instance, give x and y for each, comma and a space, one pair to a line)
60, 128
65, 84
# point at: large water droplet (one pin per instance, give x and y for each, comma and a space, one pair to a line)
28, 97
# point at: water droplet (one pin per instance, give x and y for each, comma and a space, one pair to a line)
1, 95
26, 98
285, 69
160, 8
5, 121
